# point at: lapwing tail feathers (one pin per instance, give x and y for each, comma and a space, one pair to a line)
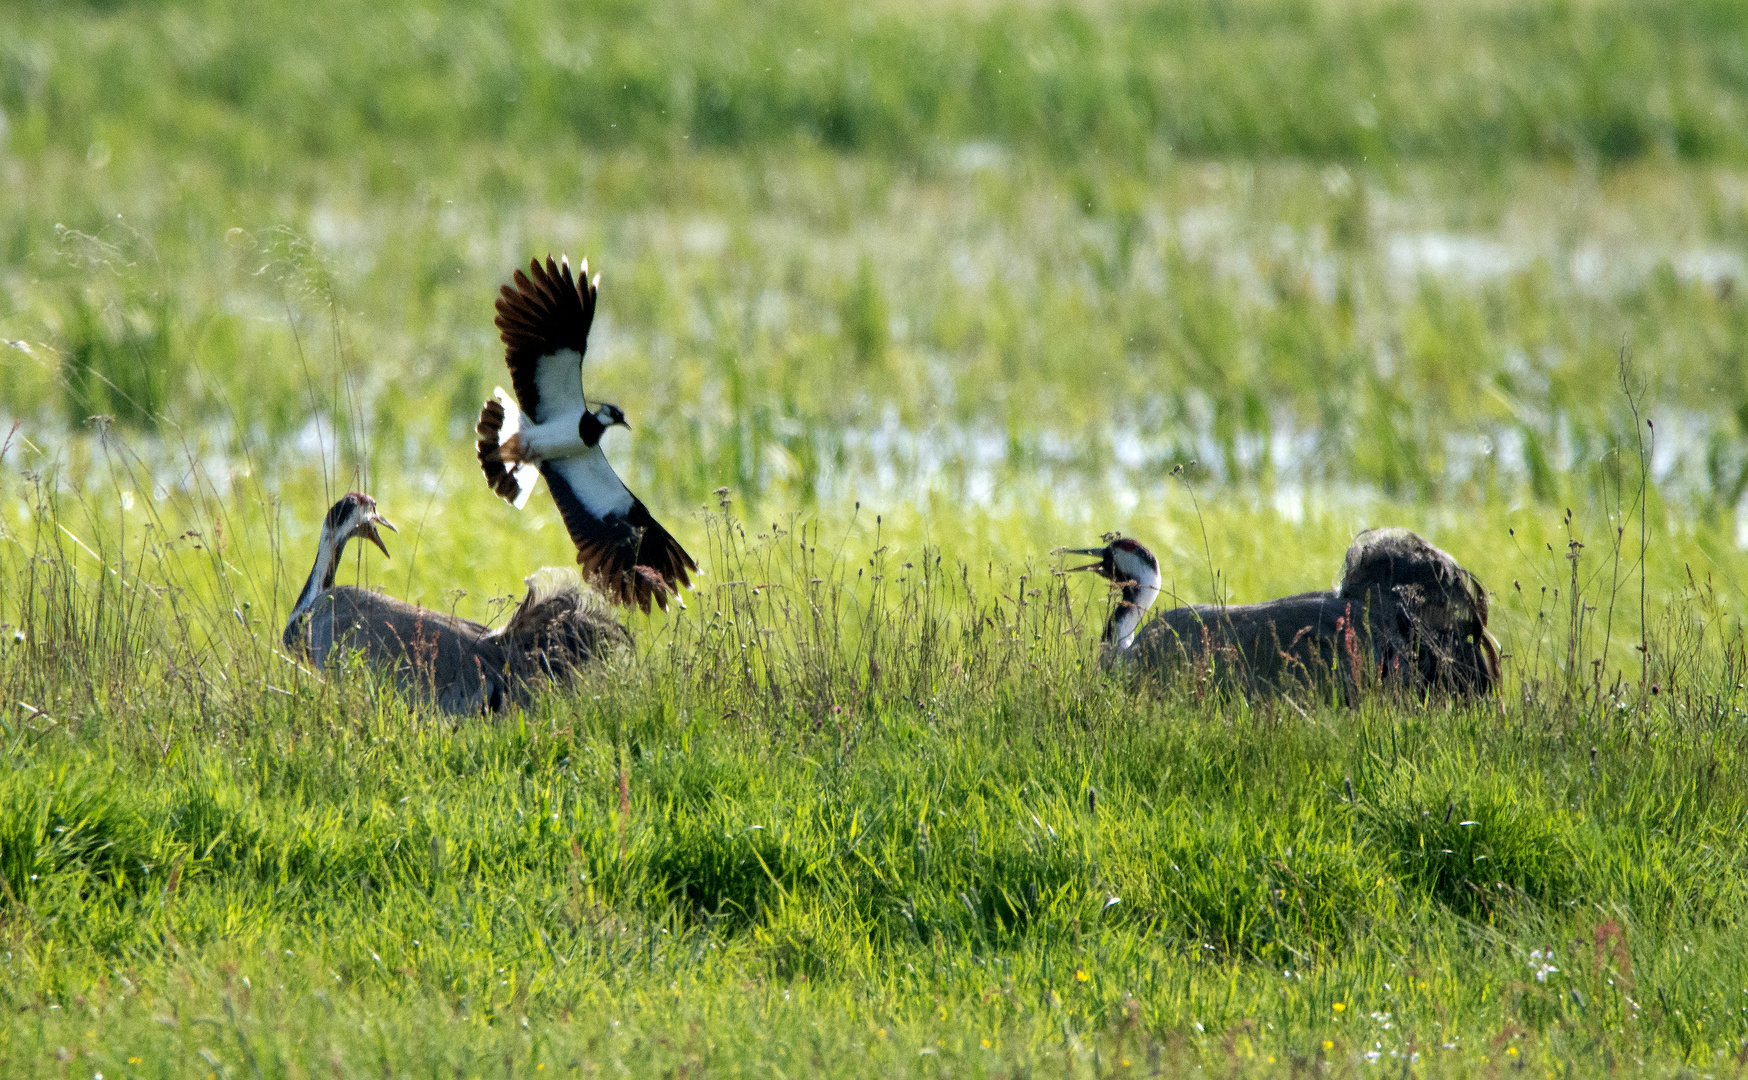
499, 429
661, 553
635, 584
650, 585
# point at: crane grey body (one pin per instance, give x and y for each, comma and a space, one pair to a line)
456, 664
1260, 646
1404, 614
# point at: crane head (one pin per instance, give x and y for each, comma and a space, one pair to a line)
356, 515
1131, 569
1121, 561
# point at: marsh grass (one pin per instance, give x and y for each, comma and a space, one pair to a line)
1267, 78
899, 300
871, 795
861, 808
838, 329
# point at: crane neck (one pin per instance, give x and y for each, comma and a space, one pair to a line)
328, 550
1137, 597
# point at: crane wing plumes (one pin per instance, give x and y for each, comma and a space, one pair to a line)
549, 430
1404, 614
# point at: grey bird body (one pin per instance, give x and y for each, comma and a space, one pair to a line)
437, 658
1260, 646
456, 664
1404, 614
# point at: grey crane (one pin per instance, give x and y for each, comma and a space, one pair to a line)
461, 666
1404, 613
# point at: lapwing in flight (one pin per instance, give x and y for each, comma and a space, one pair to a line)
549, 430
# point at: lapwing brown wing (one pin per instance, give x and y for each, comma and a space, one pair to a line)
549, 430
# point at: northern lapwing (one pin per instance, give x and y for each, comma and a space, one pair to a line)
549, 430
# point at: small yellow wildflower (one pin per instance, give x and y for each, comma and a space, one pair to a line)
986, 1044
540, 1067
1341, 1006
133, 1061
1271, 1059
1512, 1050
1080, 975
881, 1033
1125, 1063
1327, 1045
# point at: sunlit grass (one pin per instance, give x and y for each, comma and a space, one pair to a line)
929, 293
854, 803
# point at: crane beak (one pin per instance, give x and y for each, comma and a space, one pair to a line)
375, 537
1099, 551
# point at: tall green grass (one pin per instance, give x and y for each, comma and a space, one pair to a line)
866, 806
927, 293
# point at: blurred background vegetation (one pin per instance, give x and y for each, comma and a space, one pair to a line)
994, 249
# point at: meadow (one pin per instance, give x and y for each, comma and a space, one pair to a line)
897, 299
